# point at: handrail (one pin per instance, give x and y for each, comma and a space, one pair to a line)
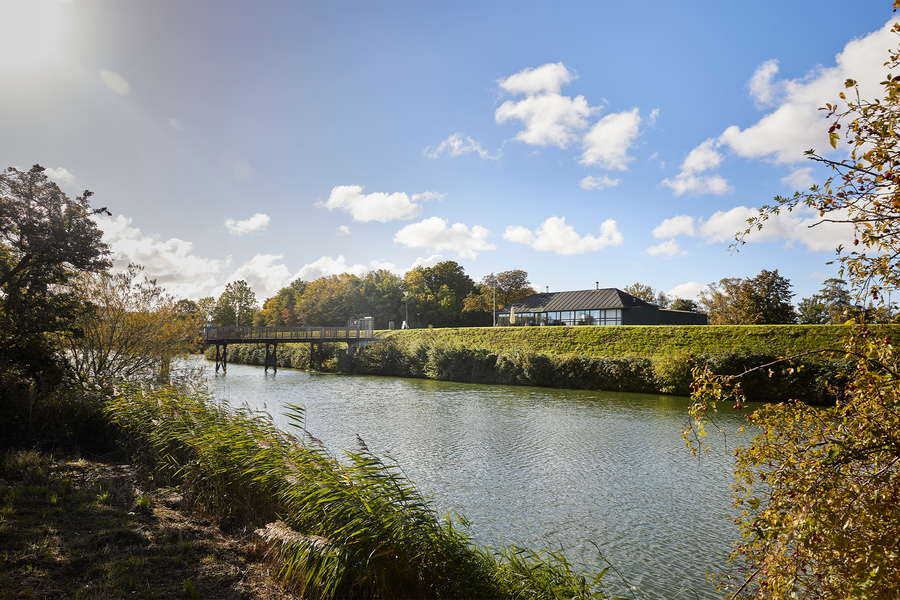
283, 334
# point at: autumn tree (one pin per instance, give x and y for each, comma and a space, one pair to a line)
813, 311
685, 304
382, 295
818, 487
236, 305
765, 300
46, 242
831, 305
135, 329
331, 301
648, 294
282, 309
498, 291
719, 301
438, 294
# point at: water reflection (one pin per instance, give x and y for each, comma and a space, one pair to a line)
534, 466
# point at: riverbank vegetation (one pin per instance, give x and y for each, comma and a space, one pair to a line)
629, 359
86, 368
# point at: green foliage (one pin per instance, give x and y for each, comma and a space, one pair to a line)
518, 356
685, 304
46, 240
648, 294
135, 332
497, 291
761, 300
819, 487
336, 528
236, 305
437, 296
648, 341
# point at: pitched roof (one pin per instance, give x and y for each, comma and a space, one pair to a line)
579, 300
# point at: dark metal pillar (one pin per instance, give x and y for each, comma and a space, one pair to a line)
222, 359
271, 359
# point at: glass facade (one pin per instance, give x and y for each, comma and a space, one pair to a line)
611, 316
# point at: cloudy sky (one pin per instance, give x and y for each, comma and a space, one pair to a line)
617, 142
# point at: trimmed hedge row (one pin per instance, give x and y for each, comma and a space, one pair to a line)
459, 355
813, 379
650, 341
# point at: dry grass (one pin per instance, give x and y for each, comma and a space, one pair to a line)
91, 529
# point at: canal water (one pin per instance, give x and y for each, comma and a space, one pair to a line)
535, 467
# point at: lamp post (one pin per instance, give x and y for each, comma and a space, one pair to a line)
494, 309
406, 295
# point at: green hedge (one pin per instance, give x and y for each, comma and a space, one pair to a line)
649, 341
595, 358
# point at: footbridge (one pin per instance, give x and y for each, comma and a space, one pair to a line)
272, 336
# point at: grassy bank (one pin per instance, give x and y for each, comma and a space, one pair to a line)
651, 342
628, 359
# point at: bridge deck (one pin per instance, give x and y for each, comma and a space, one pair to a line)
283, 335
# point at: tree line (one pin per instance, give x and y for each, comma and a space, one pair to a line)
439, 296
445, 296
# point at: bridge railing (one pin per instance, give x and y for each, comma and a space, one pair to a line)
284, 334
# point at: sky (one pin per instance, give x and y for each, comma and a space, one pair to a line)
587, 143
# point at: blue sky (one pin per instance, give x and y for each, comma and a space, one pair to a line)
617, 142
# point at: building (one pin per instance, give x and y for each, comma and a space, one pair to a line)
609, 306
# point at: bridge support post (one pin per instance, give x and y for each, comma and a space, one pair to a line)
315, 356
271, 359
223, 359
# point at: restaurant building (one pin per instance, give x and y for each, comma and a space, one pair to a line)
608, 306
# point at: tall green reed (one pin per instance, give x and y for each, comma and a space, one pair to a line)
348, 528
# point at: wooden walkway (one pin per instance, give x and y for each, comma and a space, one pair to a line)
272, 336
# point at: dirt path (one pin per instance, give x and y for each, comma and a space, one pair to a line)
89, 530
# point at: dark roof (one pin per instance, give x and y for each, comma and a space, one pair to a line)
580, 300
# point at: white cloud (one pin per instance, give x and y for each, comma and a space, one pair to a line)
376, 206
427, 262
680, 225
434, 233
61, 175
714, 184
385, 265
817, 275
797, 124
700, 159
326, 266
175, 124
115, 82
667, 249
789, 227
547, 78
689, 291
555, 236
426, 196
456, 146
608, 141
550, 118
344, 230
172, 262
762, 89
264, 273
799, 179
598, 183
257, 222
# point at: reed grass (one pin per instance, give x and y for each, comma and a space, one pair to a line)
348, 528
